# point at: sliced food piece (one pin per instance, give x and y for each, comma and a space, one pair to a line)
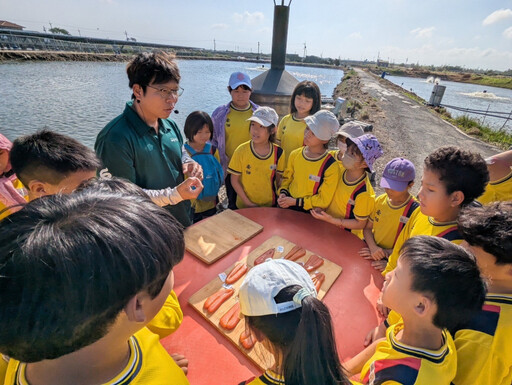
215, 300
313, 263
231, 318
318, 279
247, 339
238, 271
263, 257
295, 253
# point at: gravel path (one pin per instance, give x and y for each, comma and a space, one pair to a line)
406, 128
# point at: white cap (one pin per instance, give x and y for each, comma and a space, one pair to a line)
264, 281
350, 130
323, 124
265, 116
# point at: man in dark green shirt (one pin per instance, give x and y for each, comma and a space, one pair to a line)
142, 144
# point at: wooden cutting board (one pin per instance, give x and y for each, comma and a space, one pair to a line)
258, 354
214, 237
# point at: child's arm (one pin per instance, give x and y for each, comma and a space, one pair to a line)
322, 199
168, 319
373, 251
190, 188
499, 165
353, 224
285, 200
237, 186
356, 363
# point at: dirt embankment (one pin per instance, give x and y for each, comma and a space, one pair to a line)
404, 127
461, 77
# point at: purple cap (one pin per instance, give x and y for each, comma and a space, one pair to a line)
369, 147
238, 79
397, 174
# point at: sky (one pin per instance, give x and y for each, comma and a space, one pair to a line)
468, 33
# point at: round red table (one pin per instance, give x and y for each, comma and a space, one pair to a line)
213, 358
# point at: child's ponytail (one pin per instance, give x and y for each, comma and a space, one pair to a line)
312, 356
305, 338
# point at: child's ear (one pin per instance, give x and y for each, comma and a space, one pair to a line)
134, 309
456, 198
37, 188
424, 306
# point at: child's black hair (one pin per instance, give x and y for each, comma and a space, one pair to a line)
459, 170
50, 157
195, 121
305, 338
310, 90
449, 274
489, 227
152, 68
70, 263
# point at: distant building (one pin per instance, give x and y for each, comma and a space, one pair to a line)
382, 63
8, 25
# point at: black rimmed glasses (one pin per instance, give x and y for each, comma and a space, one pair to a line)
166, 93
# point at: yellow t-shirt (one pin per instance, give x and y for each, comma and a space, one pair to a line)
352, 200
388, 220
422, 225
237, 128
484, 354
312, 180
290, 133
168, 319
4, 211
149, 363
499, 190
267, 378
397, 363
257, 174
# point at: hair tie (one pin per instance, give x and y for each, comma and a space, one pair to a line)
300, 295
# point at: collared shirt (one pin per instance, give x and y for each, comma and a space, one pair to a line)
131, 149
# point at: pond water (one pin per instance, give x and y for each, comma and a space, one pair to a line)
464, 95
80, 98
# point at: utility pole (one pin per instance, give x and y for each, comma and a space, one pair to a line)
79, 34
214, 46
126, 33
258, 57
305, 52
50, 24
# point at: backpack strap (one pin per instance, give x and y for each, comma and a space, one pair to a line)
273, 175
404, 218
451, 233
361, 187
325, 165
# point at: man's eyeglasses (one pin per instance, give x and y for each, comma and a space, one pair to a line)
166, 94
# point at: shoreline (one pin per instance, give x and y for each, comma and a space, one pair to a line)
459, 77
9, 56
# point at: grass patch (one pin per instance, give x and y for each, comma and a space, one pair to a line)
472, 127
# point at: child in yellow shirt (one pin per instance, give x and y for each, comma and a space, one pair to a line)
499, 187
354, 199
92, 309
256, 166
311, 174
435, 287
306, 100
483, 344
392, 211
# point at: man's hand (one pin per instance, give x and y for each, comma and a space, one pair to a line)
193, 169
181, 361
190, 188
